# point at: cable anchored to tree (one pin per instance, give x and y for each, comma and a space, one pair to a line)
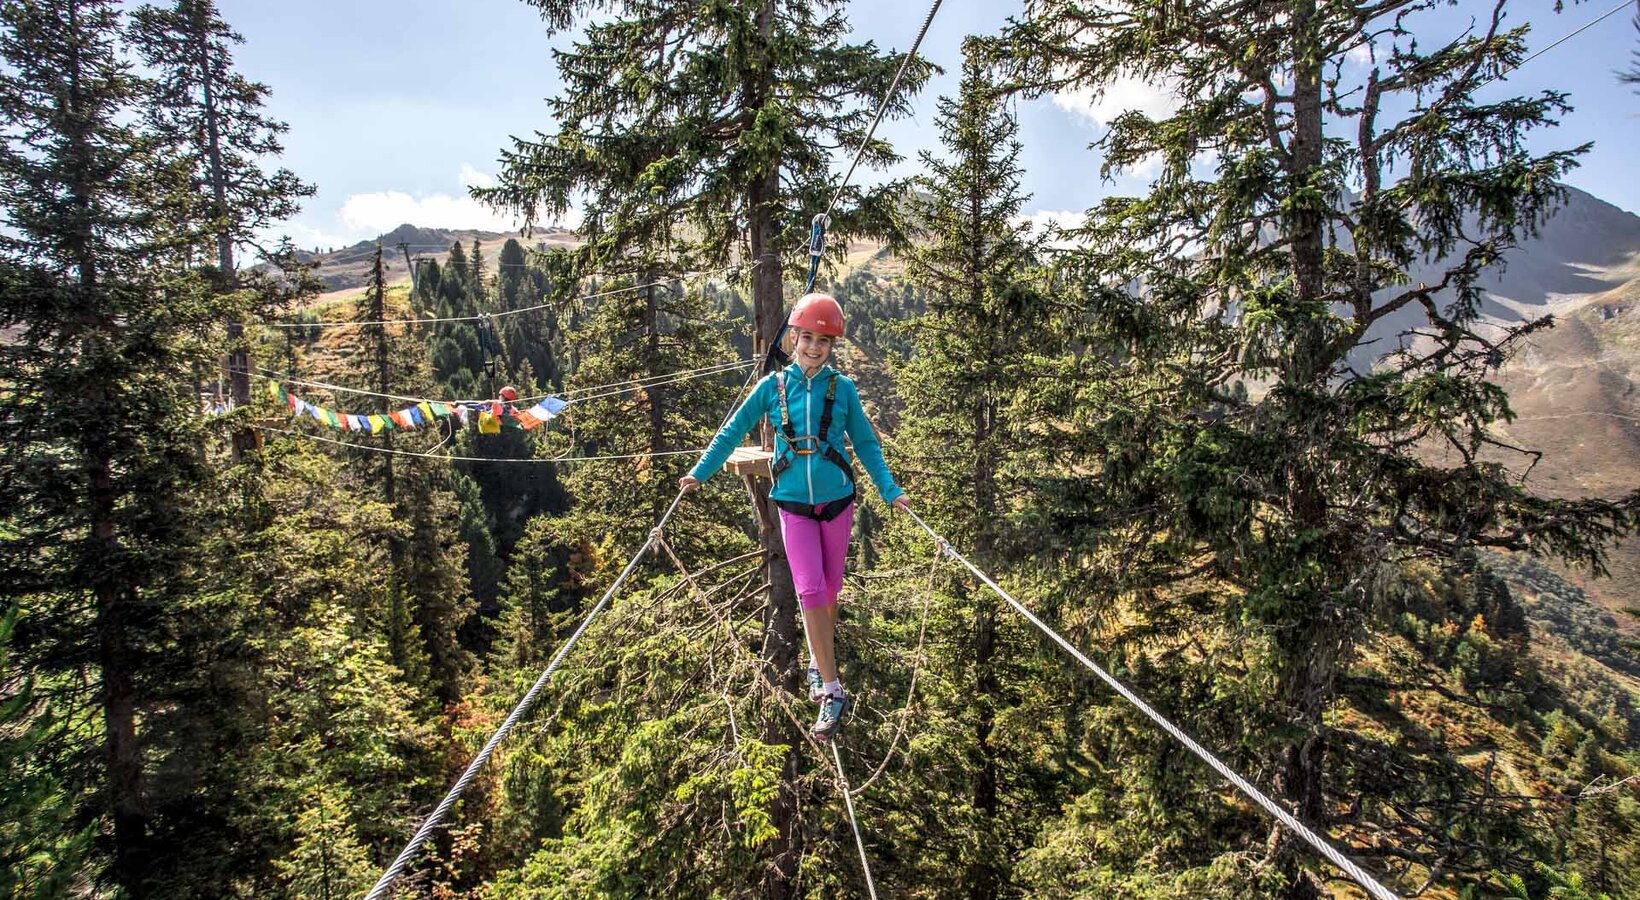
883, 107
1321, 845
578, 395
535, 460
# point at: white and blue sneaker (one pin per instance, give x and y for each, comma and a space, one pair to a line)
832, 708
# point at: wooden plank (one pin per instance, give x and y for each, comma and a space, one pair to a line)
750, 461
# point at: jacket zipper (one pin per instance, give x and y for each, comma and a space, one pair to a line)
808, 422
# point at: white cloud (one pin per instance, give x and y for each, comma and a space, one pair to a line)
386, 210
471, 177
368, 215
307, 237
1102, 104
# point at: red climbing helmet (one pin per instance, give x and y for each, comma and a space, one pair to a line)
819, 313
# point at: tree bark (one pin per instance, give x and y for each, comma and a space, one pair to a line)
117, 659
983, 874
239, 378
780, 626
116, 654
1307, 677
656, 395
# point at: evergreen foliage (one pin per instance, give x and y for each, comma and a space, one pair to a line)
101, 442
970, 394
1198, 435
1269, 250
679, 123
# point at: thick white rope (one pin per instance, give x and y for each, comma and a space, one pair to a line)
848, 799
1321, 845
384, 884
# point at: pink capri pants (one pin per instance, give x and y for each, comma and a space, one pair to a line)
817, 552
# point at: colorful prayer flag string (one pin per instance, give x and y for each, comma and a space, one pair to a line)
491, 417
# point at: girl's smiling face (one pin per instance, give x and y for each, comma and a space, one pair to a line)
811, 350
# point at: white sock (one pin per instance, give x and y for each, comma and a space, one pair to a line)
835, 688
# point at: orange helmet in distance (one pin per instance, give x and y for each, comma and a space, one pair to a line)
819, 313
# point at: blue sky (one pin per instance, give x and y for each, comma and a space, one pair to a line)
394, 107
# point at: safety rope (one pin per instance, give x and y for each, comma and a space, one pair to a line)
819, 224
911, 686
659, 382
848, 800
1623, 4
578, 395
384, 884
514, 312
780, 697
883, 107
1322, 846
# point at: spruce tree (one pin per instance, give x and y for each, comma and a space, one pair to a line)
703, 136
101, 440
970, 395
1318, 231
430, 600
41, 853
210, 121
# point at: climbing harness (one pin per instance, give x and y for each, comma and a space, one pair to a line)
809, 444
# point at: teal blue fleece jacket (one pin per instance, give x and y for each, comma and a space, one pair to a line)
810, 478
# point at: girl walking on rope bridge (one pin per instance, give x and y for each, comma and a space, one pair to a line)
813, 407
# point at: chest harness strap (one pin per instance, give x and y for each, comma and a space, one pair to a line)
803, 445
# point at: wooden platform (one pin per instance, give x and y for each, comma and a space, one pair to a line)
750, 461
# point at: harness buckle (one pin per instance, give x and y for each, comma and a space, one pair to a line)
805, 444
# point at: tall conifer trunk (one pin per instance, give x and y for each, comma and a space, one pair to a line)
239, 379
986, 873
1307, 671
780, 629
116, 656
656, 395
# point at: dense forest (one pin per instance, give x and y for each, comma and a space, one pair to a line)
1215, 436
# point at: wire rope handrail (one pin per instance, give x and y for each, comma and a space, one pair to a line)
1321, 845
